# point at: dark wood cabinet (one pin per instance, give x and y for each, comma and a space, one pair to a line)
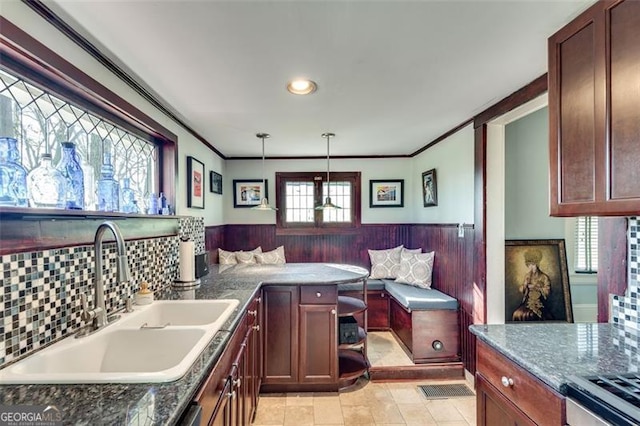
319, 344
493, 409
300, 332
594, 118
508, 395
229, 395
280, 335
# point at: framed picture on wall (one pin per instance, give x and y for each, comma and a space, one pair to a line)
215, 182
386, 193
537, 281
195, 183
429, 188
249, 192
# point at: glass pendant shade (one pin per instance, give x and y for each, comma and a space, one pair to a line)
328, 205
264, 203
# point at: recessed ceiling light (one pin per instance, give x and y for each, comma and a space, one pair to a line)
301, 87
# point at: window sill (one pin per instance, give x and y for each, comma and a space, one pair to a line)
319, 231
25, 213
26, 229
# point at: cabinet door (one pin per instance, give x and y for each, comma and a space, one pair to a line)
493, 409
222, 413
624, 102
318, 344
576, 114
280, 334
253, 377
594, 99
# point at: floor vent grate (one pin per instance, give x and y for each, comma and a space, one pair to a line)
445, 391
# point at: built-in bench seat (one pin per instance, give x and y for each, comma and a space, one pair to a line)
425, 321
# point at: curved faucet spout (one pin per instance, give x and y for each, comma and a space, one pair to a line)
122, 268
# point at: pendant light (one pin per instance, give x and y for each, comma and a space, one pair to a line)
264, 203
328, 205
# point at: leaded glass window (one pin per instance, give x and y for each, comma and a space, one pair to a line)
41, 121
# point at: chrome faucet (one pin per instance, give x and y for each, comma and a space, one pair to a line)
99, 312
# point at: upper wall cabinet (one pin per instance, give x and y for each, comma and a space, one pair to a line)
594, 112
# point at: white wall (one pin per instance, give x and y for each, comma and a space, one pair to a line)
391, 168
453, 159
30, 22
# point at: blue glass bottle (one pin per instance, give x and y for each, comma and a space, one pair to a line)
47, 187
129, 204
108, 188
69, 166
13, 176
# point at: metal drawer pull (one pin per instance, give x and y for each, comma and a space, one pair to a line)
254, 313
318, 294
507, 381
256, 327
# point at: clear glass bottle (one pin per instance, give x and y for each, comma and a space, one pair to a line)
128, 202
108, 188
46, 186
13, 176
70, 168
89, 186
153, 204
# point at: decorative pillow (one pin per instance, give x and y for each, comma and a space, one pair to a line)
385, 263
230, 258
416, 269
245, 257
248, 256
274, 257
226, 257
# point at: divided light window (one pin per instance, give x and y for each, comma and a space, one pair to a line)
299, 193
40, 120
586, 243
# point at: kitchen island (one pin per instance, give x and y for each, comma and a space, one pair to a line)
164, 403
525, 369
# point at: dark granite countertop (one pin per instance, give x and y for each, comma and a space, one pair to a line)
164, 403
554, 351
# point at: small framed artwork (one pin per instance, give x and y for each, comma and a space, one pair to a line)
249, 192
537, 281
195, 183
429, 188
386, 193
215, 182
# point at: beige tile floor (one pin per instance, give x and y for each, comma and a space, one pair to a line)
369, 403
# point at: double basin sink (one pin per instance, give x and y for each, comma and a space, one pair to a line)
155, 343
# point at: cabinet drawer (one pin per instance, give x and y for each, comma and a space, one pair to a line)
538, 401
318, 294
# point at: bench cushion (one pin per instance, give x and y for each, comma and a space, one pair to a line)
371, 285
415, 298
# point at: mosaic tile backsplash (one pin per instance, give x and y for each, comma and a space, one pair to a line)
624, 310
40, 298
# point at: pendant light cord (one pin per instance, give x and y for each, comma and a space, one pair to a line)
328, 136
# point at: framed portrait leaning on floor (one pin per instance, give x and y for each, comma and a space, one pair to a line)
537, 281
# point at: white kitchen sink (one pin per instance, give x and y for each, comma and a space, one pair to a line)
184, 313
155, 343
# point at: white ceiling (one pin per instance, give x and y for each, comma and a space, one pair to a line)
392, 75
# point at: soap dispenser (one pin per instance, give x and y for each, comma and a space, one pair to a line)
144, 296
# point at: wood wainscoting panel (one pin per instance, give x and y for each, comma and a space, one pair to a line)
453, 266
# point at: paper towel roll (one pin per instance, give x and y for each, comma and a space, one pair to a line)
187, 261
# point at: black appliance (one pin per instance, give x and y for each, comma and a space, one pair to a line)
613, 397
348, 328
202, 265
